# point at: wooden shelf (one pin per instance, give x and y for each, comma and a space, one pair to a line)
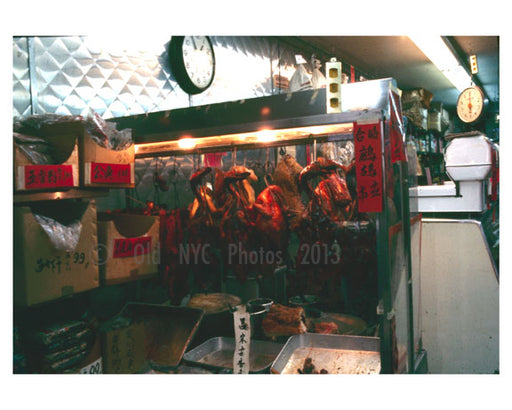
78, 193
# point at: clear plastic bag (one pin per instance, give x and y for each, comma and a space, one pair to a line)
30, 139
317, 77
105, 134
36, 149
63, 237
300, 80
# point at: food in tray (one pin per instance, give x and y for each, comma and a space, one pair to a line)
309, 368
333, 361
284, 321
224, 358
329, 328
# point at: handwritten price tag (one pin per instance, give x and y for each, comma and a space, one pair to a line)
242, 323
368, 154
102, 173
48, 176
128, 247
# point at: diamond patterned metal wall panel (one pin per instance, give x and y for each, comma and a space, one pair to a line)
22, 104
69, 75
72, 74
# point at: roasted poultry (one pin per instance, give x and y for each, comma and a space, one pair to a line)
172, 233
205, 265
236, 228
318, 257
286, 177
271, 224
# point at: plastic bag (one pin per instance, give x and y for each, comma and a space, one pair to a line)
105, 134
31, 125
102, 132
38, 150
300, 80
62, 237
317, 77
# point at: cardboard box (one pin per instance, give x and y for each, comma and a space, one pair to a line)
99, 167
48, 177
41, 271
124, 349
415, 112
129, 246
418, 95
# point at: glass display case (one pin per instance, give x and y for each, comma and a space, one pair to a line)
351, 233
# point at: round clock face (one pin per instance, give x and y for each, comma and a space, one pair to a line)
192, 61
470, 105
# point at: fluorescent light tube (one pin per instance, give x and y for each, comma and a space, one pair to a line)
438, 52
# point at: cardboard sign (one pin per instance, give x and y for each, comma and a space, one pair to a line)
124, 349
110, 173
48, 176
43, 273
368, 155
396, 128
128, 247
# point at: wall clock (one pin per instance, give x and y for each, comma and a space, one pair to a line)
192, 62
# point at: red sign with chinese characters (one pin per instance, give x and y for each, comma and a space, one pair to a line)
128, 247
48, 176
396, 128
110, 173
368, 155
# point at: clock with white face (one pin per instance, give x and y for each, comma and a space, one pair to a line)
470, 105
192, 62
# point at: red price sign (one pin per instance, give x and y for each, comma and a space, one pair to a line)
110, 173
128, 247
368, 154
395, 128
48, 176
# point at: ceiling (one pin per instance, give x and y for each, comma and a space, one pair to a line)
400, 58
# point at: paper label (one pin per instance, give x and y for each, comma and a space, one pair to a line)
242, 323
48, 176
93, 368
128, 247
110, 173
368, 154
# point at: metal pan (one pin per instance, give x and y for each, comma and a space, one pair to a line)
217, 354
337, 354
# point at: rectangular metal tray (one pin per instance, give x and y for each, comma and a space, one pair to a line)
217, 354
168, 330
339, 354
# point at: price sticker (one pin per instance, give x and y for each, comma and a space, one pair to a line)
103, 173
93, 368
47, 176
128, 247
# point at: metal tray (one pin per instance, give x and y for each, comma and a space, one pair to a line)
168, 329
338, 354
217, 354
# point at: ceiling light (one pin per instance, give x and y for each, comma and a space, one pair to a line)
438, 52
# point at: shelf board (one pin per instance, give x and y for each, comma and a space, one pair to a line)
79, 193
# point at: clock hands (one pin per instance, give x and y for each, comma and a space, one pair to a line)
193, 42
